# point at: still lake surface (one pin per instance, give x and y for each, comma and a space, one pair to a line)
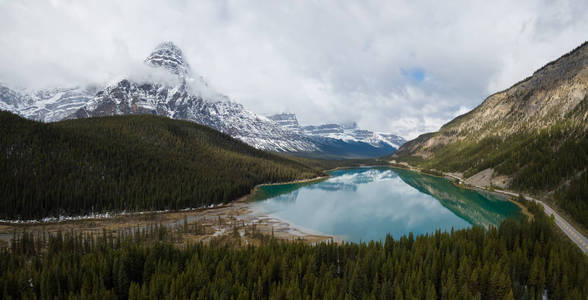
367, 203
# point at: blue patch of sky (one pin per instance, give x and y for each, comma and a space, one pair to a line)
414, 74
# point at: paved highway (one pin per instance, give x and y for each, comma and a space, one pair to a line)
570, 231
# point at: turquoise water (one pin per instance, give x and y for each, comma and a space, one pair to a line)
366, 203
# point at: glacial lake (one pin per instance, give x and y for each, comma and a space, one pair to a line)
365, 204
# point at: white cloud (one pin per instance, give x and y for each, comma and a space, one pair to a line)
397, 66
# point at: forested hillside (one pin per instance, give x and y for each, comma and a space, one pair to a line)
127, 163
520, 260
533, 136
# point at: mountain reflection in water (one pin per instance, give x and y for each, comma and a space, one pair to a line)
366, 203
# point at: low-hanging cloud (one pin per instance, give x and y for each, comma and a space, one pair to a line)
397, 66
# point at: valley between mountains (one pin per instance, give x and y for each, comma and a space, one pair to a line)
163, 187
530, 138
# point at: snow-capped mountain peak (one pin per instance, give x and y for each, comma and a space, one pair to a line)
47, 105
169, 87
286, 120
169, 56
347, 132
190, 97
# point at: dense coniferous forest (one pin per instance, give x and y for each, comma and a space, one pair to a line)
574, 198
520, 260
127, 163
548, 160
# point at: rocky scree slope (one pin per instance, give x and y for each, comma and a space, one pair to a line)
532, 136
553, 94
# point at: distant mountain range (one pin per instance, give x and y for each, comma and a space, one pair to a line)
172, 89
48, 105
531, 137
346, 132
345, 140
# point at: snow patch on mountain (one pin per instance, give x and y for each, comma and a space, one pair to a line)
167, 55
166, 85
171, 88
344, 132
47, 105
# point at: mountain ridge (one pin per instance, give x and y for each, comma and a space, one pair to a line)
179, 101
169, 87
344, 139
533, 93
176, 93
532, 136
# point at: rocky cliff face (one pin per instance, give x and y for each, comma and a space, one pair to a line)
286, 120
187, 96
345, 132
342, 140
554, 94
169, 56
171, 88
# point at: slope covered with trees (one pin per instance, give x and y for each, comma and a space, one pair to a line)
520, 260
534, 133
127, 163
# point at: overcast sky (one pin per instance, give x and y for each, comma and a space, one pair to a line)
403, 67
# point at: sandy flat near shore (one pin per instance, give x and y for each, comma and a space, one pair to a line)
230, 219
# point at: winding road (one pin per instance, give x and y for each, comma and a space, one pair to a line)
568, 229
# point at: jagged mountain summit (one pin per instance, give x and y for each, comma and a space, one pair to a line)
345, 139
171, 88
169, 56
187, 96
